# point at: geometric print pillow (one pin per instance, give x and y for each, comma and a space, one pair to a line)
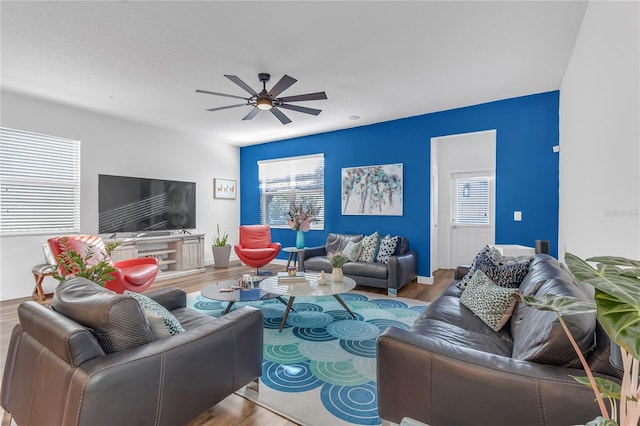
162, 322
509, 274
369, 248
491, 303
387, 247
483, 260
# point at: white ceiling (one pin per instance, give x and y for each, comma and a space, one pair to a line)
143, 60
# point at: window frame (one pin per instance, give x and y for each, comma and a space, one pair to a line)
39, 183
291, 192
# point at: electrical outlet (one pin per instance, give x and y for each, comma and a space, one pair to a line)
517, 216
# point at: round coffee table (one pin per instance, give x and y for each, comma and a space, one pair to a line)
255, 293
309, 287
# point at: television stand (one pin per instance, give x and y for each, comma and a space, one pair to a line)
176, 254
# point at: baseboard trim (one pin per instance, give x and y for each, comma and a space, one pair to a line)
425, 280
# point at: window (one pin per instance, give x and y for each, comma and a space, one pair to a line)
297, 179
472, 201
39, 183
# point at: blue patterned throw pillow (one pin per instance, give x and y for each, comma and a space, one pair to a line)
369, 248
352, 250
161, 322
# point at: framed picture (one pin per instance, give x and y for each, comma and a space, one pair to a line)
372, 190
225, 188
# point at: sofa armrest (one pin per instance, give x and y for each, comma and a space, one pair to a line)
461, 271
170, 297
427, 379
142, 385
402, 269
310, 252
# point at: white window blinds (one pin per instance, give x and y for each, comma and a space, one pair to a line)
39, 183
297, 179
472, 201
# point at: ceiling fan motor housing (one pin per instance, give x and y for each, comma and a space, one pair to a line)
264, 77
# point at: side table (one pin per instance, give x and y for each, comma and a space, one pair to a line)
39, 273
293, 257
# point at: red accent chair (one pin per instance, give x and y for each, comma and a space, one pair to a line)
131, 274
255, 247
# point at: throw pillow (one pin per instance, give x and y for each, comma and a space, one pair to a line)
491, 303
508, 275
369, 248
352, 250
482, 258
153, 310
387, 248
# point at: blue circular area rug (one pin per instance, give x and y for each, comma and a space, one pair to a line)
321, 369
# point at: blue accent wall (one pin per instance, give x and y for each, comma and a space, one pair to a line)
526, 171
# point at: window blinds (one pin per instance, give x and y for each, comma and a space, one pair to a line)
39, 183
297, 179
472, 201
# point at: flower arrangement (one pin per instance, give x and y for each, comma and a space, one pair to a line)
337, 260
300, 218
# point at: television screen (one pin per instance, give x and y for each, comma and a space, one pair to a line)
131, 204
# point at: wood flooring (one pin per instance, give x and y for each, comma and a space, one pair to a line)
234, 410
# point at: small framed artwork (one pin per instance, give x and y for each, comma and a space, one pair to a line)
225, 188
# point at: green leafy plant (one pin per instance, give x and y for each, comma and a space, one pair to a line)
220, 241
617, 305
74, 264
337, 260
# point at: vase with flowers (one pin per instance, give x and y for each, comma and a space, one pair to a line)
337, 261
299, 219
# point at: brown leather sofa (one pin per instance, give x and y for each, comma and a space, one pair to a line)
450, 368
401, 269
61, 372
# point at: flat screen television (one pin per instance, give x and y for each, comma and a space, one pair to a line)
132, 204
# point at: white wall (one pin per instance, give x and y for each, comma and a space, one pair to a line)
114, 146
600, 136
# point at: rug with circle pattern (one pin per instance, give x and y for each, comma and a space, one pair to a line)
321, 369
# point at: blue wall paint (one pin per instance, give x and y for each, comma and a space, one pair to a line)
526, 171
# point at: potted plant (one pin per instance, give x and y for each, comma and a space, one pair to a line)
617, 305
221, 250
337, 261
73, 264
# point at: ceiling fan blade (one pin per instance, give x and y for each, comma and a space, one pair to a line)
206, 92
241, 83
226, 107
306, 97
251, 114
298, 108
280, 115
283, 84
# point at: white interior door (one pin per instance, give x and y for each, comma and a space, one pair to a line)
472, 224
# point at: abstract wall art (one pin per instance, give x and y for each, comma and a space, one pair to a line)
372, 190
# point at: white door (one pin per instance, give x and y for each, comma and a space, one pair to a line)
471, 213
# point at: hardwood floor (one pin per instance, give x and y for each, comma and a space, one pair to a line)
234, 410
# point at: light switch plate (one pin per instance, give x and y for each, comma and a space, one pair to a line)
517, 216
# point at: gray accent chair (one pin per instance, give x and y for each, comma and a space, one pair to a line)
401, 269
106, 368
451, 368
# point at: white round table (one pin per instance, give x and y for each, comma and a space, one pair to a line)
309, 287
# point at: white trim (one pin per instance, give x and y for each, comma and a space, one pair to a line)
425, 280
297, 157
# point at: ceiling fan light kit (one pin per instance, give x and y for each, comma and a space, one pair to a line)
269, 100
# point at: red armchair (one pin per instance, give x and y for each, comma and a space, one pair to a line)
255, 247
132, 274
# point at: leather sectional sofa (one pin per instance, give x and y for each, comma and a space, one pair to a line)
451, 368
400, 270
107, 368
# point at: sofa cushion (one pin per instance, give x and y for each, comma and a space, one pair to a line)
318, 263
352, 250
161, 321
369, 248
492, 303
538, 335
117, 320
366, 269
338, 242
387, 248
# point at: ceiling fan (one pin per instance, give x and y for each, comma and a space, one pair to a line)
269, 100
